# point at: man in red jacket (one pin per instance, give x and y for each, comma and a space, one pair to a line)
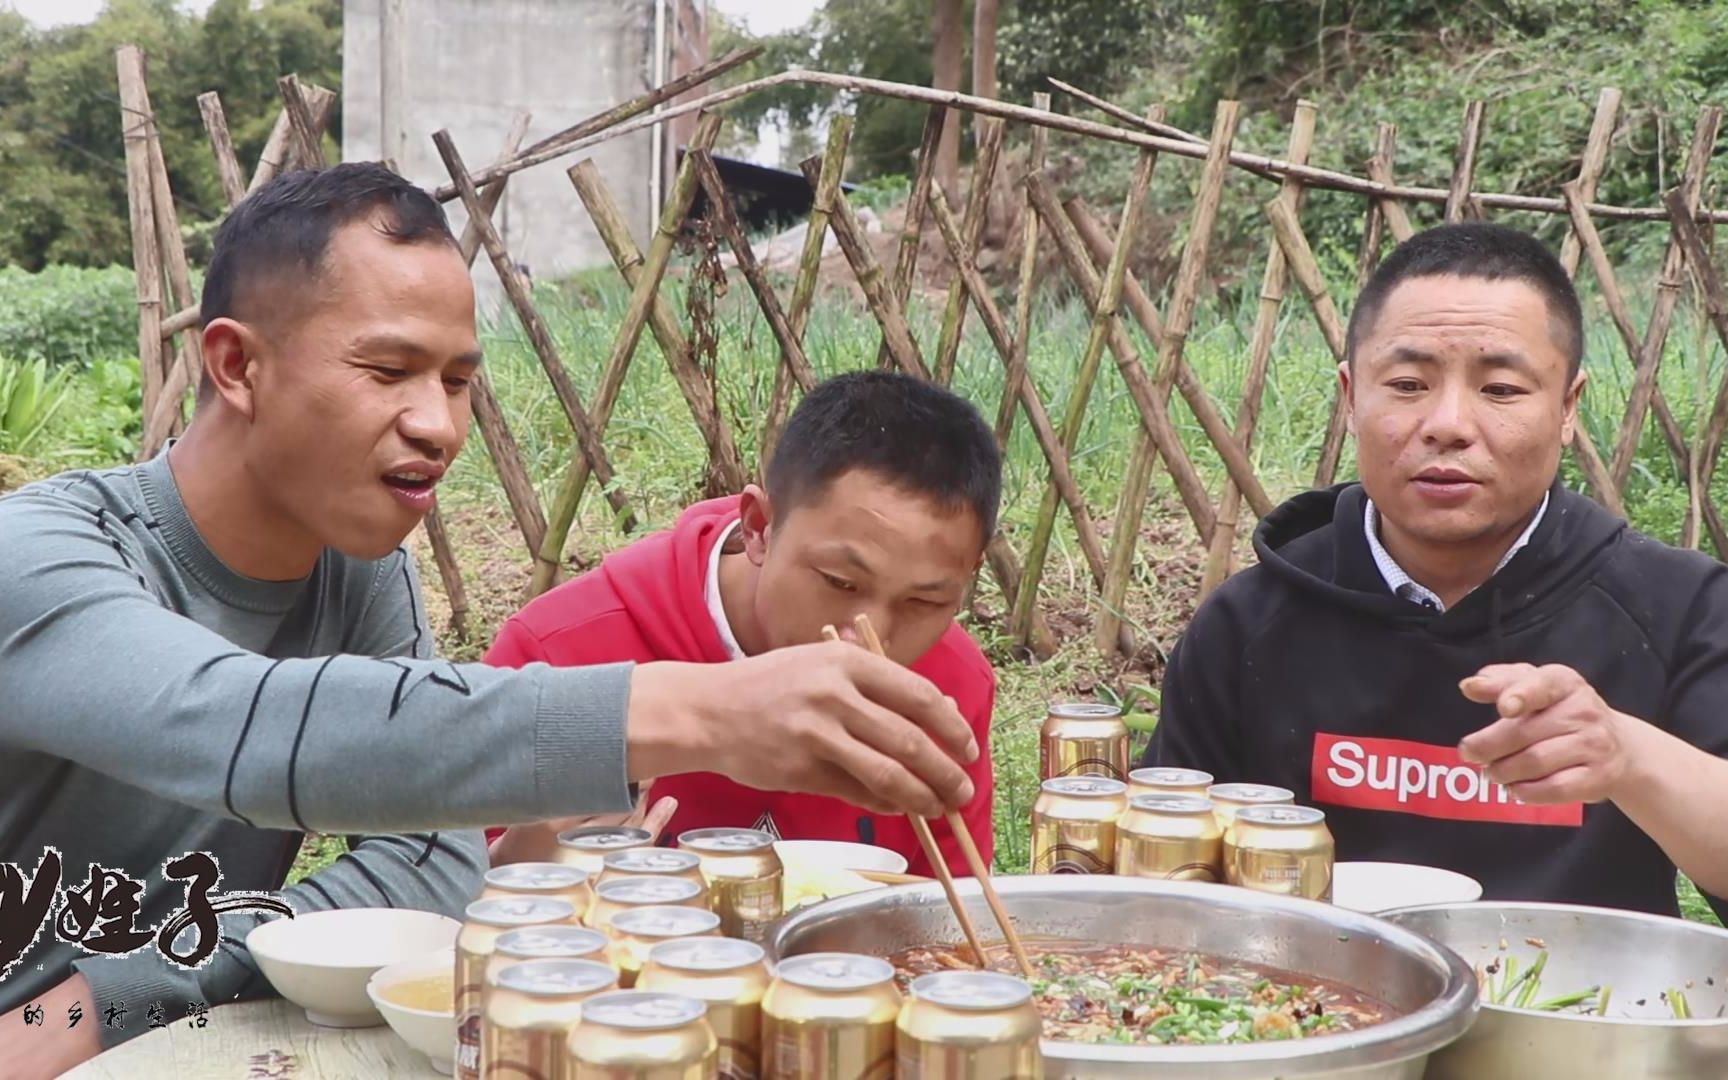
879, 499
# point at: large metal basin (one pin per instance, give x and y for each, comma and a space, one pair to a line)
1433, 988
1638, 956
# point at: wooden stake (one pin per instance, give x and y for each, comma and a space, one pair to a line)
645, 299
269, 166
1397, 218
593, 129
1584, 230
1590, 168
1190, 276
1306, 270
136, 126
278, 151
222, 146
1464, 171
971, 228
610, 222
309, 148
1703, 465
1099, 241
809, 272
521, 298
1073, 232
493, 194
506, 456
1080, 395
444, 554
1649, 355
1061, 468
500, 441
877, 296
1189, 147
1373, 224
1005, 410
912, 228
1272, 284
189, 349
726, 220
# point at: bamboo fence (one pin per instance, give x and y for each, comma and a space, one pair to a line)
1092, 254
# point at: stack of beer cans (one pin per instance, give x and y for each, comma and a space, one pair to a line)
1095, 816
625, 961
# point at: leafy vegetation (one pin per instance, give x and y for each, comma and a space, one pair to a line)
64, 200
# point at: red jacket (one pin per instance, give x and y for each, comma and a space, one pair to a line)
646, 602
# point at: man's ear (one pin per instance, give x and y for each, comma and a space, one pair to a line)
1344, 392
1569, 412
229, 356
755, 522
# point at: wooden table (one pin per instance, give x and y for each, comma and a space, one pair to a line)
260, 1040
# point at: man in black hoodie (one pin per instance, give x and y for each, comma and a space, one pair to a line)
1463, 662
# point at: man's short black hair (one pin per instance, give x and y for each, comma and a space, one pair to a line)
279, 233
1476, 250
915, 434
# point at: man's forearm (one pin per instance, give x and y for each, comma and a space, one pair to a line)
1675, 792
51, 1044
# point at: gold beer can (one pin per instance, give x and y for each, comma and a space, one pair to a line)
540, 879
1229, 798
744, 878
1083, 738
625, 893
641, 1035
969, 1025
587, 847
1074, 825
1167, 781
544, 943
830, 1016
1286, 850
652, 862
483, 923
637, 930
731, 975
528, 1013
1172, 837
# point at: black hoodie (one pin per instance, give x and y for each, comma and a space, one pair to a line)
1306, 671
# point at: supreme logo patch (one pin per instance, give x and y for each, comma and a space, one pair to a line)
1404, 777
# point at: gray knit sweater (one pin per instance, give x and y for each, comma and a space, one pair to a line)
154, 702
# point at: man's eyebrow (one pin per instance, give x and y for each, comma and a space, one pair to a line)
396, 343
1404, 354
851, 555
1515, 361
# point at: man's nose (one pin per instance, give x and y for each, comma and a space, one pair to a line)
430, 420
1450, 418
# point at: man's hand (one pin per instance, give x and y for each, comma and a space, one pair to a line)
44, 1051
830, 719
538, 842
1556, 740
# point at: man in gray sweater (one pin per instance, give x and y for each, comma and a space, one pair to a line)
225, 647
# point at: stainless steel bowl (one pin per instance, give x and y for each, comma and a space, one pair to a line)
1434, 990
1638, 956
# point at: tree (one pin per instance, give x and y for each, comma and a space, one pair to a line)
61, 152
984, 14
946, 64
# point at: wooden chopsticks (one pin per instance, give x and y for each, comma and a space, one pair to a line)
962, 835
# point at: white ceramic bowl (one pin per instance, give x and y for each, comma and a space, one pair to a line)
1372, 887
322, 960
840, 855
431, 1032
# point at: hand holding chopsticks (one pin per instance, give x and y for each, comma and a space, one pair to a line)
974, 862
